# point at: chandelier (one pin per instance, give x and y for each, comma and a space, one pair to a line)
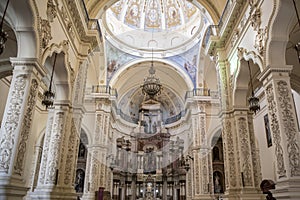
3, 34
151, 84
49, 95
253, 100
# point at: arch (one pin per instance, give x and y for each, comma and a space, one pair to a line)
20, 16
241, 82
280, 26
87, 133
215, 136
62, 70
244, 54
177, 68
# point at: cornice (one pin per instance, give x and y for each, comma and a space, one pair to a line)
78, 24
274, 69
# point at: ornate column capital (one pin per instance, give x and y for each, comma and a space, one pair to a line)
30, 65
274, 72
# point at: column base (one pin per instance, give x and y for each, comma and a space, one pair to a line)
12, 188
88, 196
287, 189
53, 193
243, 194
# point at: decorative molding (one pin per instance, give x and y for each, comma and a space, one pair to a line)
255, 19
55, 148
272, 107
289, 124
11, 123
230, 156
245, 153
45, 32
79, 27
25, 130
51, 11
260, 40
45, 150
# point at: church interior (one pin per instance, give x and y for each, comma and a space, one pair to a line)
150, 99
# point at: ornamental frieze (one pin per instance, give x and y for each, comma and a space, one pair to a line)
289, 123
46, 32
272, 107
51, 11
12, 120
26, 125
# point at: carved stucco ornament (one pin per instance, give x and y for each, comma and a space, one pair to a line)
260, 40
46, 32
256, 19
51, 11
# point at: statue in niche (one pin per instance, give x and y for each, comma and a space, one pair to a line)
81, 151
217, 183
150, 160
79, 181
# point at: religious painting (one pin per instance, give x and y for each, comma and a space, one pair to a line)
268, 131
188, 61
116, 59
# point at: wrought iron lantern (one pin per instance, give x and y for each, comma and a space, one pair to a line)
151, 84
253, 100
3, 34
49, 95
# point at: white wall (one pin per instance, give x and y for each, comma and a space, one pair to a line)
297, 105
4, 89
267, 154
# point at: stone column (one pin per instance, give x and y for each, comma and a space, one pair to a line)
36, 163
230, 155
248, 165
97, 166
59, 156
284, 129
241, 162
16, 126
201, 153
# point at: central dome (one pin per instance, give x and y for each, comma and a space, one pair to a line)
158, 15
167, 26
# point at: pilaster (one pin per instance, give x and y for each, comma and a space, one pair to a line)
242, 169
201, 165
98, 172
16, 126
284, 129
57, 170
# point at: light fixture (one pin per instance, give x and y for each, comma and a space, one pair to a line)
253, 100
49, 95
297, 46
3, 34
151, 84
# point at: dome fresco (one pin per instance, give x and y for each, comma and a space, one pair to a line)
154, 14
166, 26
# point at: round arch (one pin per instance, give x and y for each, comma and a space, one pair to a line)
177, 69
280, 26
241, 82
